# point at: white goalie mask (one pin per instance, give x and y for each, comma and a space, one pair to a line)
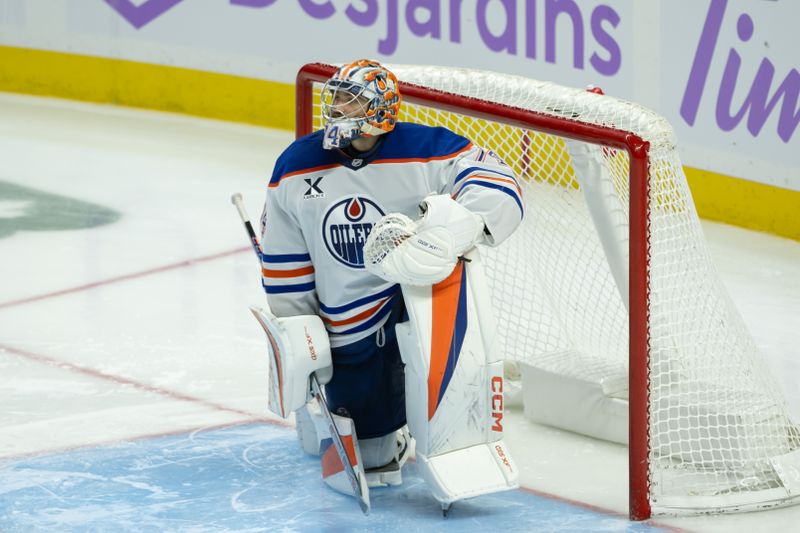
360, 99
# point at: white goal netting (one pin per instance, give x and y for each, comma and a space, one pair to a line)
719, 434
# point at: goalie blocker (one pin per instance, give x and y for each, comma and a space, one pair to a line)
448, 348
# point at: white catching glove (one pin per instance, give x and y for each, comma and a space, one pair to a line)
425, 251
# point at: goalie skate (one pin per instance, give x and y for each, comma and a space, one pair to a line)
391, 473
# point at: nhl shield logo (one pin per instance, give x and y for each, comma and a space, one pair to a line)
346, 226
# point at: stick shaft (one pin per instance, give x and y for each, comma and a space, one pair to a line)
236, 199
352, 476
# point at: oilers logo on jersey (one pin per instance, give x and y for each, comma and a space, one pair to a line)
346, 226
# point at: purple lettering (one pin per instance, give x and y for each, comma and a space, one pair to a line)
388, 45
253, 3
756, 100
318, 11
610, 66
530, 29
455, 21
553, 9
507, 40
431, 26
143, 13
702, 61
366, 17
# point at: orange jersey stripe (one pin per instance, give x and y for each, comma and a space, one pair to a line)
490, 178
360, 316
297, 272
303, 171
445, 305
421, 159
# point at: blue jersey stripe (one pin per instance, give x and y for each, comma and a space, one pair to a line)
415, 141
285, 258
488, 184
280, 289
358, 303
463, 174
305, 153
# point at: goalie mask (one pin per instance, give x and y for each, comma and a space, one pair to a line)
360, 99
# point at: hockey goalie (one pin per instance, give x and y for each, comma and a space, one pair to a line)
376, 292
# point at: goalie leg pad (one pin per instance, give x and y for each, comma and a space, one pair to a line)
457, 431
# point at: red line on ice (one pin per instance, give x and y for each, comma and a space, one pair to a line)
123, 381
125, 277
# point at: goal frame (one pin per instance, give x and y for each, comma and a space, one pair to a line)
639, 236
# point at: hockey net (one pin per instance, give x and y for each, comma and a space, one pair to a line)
608, 281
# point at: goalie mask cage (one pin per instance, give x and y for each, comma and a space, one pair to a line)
608, 279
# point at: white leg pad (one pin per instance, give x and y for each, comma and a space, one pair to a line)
454, 386
469, 472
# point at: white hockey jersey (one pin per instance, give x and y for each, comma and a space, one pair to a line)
321, 205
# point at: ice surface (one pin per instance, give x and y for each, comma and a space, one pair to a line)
134, 381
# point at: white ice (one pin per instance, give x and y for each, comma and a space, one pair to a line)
156, 337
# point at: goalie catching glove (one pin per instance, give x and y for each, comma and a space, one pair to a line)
425, 251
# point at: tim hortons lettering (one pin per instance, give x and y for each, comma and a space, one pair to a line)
497, 403
758, 105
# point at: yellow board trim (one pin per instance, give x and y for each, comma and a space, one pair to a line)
238, 99
745, 203
128, 83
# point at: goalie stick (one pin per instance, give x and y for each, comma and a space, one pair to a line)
316, 388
